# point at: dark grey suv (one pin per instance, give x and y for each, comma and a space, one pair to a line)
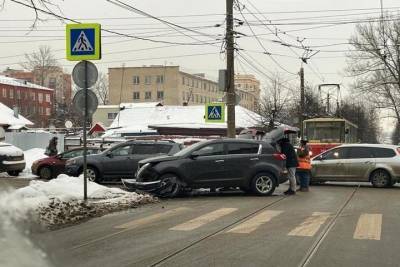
254, 166
120, 161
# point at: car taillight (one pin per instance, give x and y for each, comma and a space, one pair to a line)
279, 156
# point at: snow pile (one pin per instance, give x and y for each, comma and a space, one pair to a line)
31, 155
60, 201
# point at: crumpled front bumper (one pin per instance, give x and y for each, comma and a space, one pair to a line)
133, 185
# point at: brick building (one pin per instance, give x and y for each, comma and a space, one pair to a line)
33, 101
53, 78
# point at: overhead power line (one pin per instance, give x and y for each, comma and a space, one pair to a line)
37, 9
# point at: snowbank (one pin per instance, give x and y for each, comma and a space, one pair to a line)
31, 155
60, 201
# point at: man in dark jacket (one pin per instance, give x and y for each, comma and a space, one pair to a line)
291, 164
51, 150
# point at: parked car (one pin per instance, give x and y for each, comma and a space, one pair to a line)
375, 163
12, 159
51, 167
254, 166
120, 161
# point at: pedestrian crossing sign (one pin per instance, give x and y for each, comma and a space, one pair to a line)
83, 41
215, 112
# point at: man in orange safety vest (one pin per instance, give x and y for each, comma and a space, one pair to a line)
304, 168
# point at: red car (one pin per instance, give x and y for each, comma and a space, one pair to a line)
52, 166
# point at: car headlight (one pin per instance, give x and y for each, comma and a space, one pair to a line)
71, 162
141, 169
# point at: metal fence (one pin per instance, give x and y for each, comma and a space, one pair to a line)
28, 140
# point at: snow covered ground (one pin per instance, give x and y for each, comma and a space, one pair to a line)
60, 201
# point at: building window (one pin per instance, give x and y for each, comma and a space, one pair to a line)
33, 96
183, 80
4, 92
183, 96
187, 81
40, 97
135, 80
160, 95
18, 94
160, 79
147, 95
147, 79
48, 98
197, 84
204, 86
48, 111
136, 95
52, 83
192, 83
112, 115
11, 93
197, 98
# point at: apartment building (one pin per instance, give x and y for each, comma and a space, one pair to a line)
33, 101
248, 88
157, 83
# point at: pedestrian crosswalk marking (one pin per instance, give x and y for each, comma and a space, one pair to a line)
151, 218
253, 223
202, 220
82, 44
368, 227
311, 225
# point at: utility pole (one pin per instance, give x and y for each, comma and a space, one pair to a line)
230, 70
301, 115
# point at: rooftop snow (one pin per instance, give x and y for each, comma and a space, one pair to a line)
22, 83
7, 117
139, 119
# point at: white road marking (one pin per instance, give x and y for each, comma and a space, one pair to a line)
368, 227
311, 225
253, 223
202, 220
151, 218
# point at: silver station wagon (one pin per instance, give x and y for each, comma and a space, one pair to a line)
375, 163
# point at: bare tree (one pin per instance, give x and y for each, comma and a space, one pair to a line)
101, 88
41, 62
275, 101
375, 63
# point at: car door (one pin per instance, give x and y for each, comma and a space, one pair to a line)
241, 157
359, 163
329, 165
117, 161
205, 166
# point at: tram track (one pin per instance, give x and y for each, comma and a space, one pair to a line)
305, 260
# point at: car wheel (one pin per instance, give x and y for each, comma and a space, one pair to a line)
263, 184
170, 186
14, 173
45, 173
92, 174
380, 178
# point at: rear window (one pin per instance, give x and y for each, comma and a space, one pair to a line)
242, 148
151, 149
380, 152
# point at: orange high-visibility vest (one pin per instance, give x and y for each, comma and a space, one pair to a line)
304, 162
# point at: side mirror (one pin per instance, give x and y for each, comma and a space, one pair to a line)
110, 155
320, 157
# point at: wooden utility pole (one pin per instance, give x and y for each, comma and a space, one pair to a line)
230, 70
301, 115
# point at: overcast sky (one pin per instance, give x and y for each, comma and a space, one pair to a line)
317, 23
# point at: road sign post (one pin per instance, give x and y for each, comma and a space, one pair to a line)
84, 43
